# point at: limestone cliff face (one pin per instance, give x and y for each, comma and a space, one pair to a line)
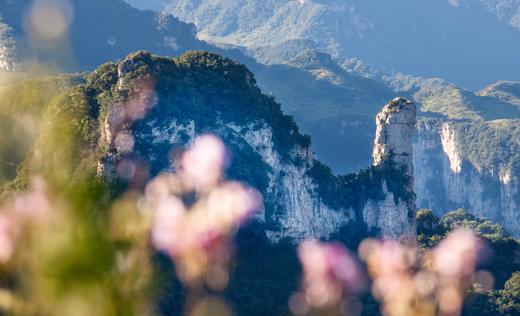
7, 48
445, 180
395, 132
302, 198
299, 212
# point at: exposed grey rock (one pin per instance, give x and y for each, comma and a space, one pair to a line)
394, 134
445, 179
396, 125
7, 48
297, 202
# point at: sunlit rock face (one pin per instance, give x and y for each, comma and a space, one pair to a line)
445, 180
395, 130
302, 198
396, 125
7, 49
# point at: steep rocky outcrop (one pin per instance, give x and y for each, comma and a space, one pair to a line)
446, 178
302, 198
394, 136
7, 48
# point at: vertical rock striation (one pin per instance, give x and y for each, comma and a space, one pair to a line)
303, 199
393, 147
7, 48
445, 179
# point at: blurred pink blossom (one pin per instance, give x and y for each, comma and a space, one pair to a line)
24, 208
143, 98
457, 254
33, 204
231, 204
199, 238
330, 273
166, 230
202, 164
6, 238
176, 230
390, 257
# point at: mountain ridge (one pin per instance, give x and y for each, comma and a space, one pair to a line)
372, 31
145, 108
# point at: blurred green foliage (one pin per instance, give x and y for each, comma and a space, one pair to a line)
503, 259
22, 104
493, 146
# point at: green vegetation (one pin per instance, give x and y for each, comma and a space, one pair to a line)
493, 146
355, 190
21, 106
503, 259
506, 91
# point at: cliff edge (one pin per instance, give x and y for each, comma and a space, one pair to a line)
396, 125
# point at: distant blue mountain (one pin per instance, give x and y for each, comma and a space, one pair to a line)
148, 4
470, 43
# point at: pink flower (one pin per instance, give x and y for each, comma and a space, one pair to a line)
177, 230
202, 164
199, 239
390, 257
167, 228
457, 254
6, 238
33, 204
231, 204
329, 273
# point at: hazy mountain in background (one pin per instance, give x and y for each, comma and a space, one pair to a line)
456, 40
507, 11
98, 30
148, 4
507, 91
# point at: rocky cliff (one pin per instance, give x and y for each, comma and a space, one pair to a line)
7, 50
447, 176
394, 136
302, 197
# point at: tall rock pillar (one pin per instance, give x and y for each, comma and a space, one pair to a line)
393, 154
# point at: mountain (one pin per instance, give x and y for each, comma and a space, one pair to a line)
140, 113
466, 150
156, 5
506, 91
335, 107
91, 32
466, 143
334, 100
507, 11
455, 40
320, 98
